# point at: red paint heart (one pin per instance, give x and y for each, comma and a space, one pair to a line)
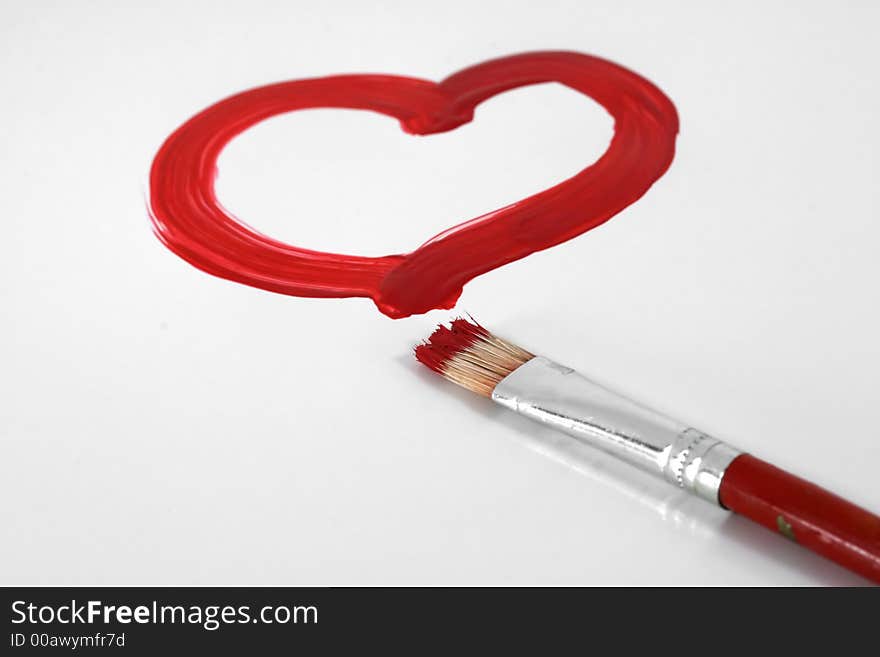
189, 220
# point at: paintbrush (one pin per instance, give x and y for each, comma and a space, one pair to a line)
557, 396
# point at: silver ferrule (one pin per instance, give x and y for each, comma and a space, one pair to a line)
565, 400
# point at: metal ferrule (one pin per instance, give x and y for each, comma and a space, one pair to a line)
563, 399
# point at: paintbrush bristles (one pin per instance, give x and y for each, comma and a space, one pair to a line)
469, 355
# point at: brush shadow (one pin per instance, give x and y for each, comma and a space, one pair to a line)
441, 386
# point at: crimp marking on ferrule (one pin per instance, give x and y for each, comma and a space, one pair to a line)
697, 463
682, 454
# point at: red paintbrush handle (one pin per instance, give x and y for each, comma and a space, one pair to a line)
809, 515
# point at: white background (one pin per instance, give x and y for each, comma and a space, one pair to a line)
161, 426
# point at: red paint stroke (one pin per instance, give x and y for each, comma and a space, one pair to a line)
191, 222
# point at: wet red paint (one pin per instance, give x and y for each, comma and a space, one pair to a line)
445, 342
190, 221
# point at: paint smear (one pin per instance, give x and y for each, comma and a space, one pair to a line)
190, 221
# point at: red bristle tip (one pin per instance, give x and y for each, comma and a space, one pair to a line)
445, 342
430, 357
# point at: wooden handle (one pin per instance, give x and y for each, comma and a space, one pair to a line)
800, 511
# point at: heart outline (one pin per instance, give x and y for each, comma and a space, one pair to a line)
190, 221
